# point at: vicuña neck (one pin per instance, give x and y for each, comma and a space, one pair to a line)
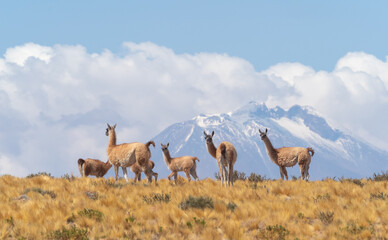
167, 157
107, 166
211, 149
112, 138
270, 149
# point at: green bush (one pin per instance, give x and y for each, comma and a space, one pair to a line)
201, 202
72, 233
277, 232
91, 213
231, 206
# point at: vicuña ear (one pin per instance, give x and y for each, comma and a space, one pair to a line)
212, 133
266, 130
108, 125
204, 133
168, 144
114, 126
260, 131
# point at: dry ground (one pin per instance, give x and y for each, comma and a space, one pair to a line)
80, 208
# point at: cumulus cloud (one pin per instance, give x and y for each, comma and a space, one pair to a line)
56, 101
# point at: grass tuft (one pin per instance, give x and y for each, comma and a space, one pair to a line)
326, 217
380, 195
157, 197
39, 174
380, 177
41, 191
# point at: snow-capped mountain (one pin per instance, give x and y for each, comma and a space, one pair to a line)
336, 154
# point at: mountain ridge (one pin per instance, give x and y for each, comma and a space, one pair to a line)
336, 153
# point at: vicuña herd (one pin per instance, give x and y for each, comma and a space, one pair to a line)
137, 156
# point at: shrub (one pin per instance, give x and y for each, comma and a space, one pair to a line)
68, 177
114, 184
72, 233
236, 176
200, 222
326, 217
157, 197
380, 177
231, 206
91, 213
239, 176
10, 221
256, 178
380, 195
91, 195
41, 191
322, 197
355, 181
274, 232
201, 202
39, 174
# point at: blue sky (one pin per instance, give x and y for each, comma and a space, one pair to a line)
69, 67
315, 33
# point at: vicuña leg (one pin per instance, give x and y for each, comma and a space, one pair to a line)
302, 171
169, 176
230, 175
116, 171
176, 177
284, 171
193, 173
187, 171
125, 173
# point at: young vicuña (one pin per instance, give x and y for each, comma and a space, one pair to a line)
93, 167
178, 164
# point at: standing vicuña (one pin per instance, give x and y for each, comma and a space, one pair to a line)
288, 157
126, 154
178, 164
226, 156
148, 171
93, 167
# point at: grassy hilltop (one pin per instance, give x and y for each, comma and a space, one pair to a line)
42, 207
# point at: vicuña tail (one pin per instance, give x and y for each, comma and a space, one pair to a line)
223, 149
80, 166
149, 143
311, 151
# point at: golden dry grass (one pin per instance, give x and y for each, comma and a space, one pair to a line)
104, 209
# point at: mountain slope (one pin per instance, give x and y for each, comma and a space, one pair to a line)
336, 154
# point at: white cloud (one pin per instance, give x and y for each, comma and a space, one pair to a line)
21, 54
56, 101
